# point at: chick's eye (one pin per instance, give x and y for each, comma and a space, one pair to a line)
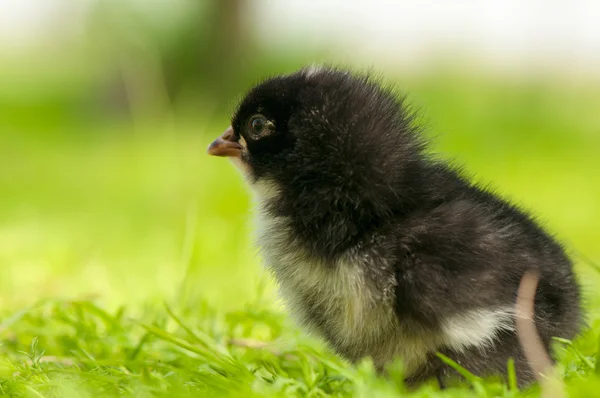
258, 125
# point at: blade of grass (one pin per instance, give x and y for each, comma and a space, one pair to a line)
470, 377
17, 316
197, 336
512, 376
225, 362
92, 308
138, 348
589, 261
175, 340
597, 369
569, 344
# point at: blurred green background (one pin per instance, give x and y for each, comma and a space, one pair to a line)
105, 116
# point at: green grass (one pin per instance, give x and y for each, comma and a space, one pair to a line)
126, 264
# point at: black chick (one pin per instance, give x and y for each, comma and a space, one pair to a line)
380, 249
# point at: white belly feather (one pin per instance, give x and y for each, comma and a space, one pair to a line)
359, 317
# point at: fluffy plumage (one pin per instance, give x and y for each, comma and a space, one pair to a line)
377, 247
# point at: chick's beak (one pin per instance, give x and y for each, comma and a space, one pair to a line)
225, 145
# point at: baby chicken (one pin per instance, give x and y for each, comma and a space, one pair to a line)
380, 249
